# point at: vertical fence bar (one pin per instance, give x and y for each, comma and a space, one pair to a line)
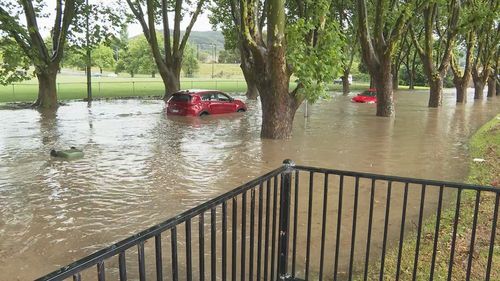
273, 244
224, 241
354, 222
101, 274
454, 235
122, 266
309, 223
295, 214
339, 227
436, 232
402, 232
252, 233
369, 234
159, 258
492, 239
386, 227
266, 242
77, 277
201, 246
133, 87
284, 220
323, 227
189, 267
243, 234
173, 240
213, 244
259, 230
234, 238
142, 263
419, 231
473, 235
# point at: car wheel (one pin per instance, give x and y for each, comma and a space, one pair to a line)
204, 113
240, 110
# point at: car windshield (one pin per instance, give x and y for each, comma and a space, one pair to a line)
178, 97
369, 93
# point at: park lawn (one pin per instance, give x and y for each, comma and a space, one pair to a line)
484, 144
71, 84
74, 87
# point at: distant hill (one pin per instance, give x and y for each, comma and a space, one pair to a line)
205, 39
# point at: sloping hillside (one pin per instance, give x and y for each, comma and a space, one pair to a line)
205, 39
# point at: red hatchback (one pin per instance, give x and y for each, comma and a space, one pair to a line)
203, 102
368, 96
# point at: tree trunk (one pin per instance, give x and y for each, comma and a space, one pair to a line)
436, 91
47, 88
278, 105
171, 80
383, 83
345, 83
492, 85
153, 74
497, 86
411, 85
132, 74
252, 90
100, 69
395, 79
461, 86
278, 112
478, 90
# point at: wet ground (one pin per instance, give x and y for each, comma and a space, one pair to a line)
141, 167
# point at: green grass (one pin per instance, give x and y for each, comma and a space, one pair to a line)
484, 144
227, 77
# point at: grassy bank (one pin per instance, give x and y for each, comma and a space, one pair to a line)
485, 144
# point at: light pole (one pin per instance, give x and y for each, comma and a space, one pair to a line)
213, 59
89, 79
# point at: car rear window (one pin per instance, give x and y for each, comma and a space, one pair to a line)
180, 98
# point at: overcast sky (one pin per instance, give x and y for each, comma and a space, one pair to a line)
202, 24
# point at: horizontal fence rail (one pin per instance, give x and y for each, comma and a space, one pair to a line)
306, 223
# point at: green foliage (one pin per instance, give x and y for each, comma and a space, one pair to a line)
74, 57
13, 64
190, 63
314, 65
229, 56
103, 57
136, 58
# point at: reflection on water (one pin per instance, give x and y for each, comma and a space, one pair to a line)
141, 167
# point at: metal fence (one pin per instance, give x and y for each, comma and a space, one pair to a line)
306, 223
21, 91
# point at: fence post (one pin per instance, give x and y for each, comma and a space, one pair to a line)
284, 220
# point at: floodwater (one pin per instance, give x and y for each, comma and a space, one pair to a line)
141, 167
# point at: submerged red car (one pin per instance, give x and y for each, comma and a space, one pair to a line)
368, 96
203, 102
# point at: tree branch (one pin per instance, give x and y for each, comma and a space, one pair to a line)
36, 38
177, 26
68, 15
166, 31
190, 26
12, 27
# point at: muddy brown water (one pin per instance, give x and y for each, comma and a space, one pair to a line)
141, 167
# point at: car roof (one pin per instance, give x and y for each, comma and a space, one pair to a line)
196, 91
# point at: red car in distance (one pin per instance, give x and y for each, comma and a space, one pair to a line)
368, 96
203, 102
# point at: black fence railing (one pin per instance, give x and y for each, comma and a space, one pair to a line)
305, 223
